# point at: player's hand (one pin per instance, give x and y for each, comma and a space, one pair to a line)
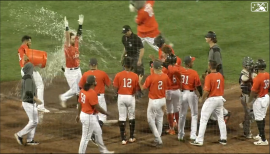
139, 63
25, 58
81, 18
77, 119
66, 22
140, 78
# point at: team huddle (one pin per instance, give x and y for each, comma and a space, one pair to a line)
173, 88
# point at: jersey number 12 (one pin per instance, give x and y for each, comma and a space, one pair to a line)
127, 83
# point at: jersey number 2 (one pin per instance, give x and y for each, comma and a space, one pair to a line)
160, 85
127, 83
149, 10
266, 84
83, 98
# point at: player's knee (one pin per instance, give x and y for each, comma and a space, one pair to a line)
34, 123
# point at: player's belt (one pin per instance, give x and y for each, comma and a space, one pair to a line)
189, 90
100, 94
74, 68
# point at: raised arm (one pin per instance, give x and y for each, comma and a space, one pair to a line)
67, 32
80, 21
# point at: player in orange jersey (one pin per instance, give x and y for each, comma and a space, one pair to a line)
126, 84
72, 71
157, 84
260, 90
160, 42
213, 91
23, 59
190, 83
147, 28
102, 80
88, 108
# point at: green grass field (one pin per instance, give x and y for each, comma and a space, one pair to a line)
240, 32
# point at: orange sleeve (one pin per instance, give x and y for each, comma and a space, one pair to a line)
256, 85
77, 41
207, 85
141, 16
107, 79
82, 81
115, 81
147, 82
93, 99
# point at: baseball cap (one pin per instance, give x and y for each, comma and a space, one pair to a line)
91, 79
188, 59
157, 64
125, 29
210, 34
93, 61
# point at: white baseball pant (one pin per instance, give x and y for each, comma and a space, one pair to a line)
188, 99
73, 78
212, 104
102, 103
172, 101
214, 116
30, 128
155, 116
149, 41
40, 87
126, 105
260, 107
91, 126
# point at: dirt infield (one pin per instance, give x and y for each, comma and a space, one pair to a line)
58, 132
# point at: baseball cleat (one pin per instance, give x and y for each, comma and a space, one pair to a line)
196, 143
241, 125
171, 132
257, 137
19, 139
124, 142
32, 143
43, 110
191, 139
108, 152
181, 139
227, 117
248, 136
131, 140
62, 103
223, 142
260, 142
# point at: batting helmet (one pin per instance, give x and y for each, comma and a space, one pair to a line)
127, 62
171, 59
159, 41
248, 63
138, 4
260, 64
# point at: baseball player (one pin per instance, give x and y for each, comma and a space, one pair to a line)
72, 71
246, 81
26, 44
147, 28
88, 108
213, 90
102, 79
190, 83
259, 90
215, 55
160, 42
29, 101
173, 93
126, 85
157, 84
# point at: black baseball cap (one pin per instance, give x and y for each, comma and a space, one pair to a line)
210, 34
93, 61
188, 59
157, 64
91, 79
125, 29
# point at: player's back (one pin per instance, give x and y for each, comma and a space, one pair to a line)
159, 83
261, 84
214, 83
85, 97
102, 79
190, 78
174, 76
127, 82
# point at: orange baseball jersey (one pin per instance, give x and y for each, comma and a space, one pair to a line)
127, 82
160, 56
261, 84
101, 77
174, 76
157, 85
190, 79
147, 24
214, 84
87, 99
164, 70
21, 52
72, 54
